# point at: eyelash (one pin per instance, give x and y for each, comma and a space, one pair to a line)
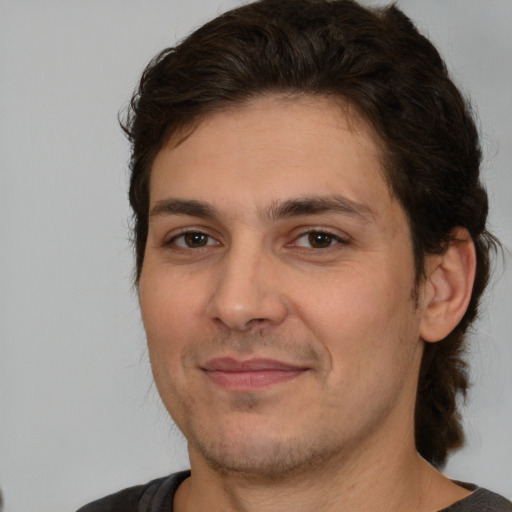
190, 233
332, 240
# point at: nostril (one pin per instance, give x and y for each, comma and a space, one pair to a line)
256, 324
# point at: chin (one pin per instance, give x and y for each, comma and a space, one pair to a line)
260, 454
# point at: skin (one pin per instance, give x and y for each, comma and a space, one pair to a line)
273, 235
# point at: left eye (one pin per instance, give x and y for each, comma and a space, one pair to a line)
317, 240
193, 240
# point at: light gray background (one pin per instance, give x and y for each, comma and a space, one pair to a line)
79, 416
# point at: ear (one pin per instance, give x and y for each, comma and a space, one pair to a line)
448, 286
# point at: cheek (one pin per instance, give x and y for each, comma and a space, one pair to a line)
164, 323
169, 306
362, 319
353, 300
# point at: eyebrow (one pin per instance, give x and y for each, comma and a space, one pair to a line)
318, 206
189, 207
315, 205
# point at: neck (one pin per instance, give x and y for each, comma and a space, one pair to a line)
395, 479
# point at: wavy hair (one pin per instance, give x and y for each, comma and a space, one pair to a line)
376, 61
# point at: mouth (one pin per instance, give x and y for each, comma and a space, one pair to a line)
254, 374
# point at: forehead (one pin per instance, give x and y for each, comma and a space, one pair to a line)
272, 149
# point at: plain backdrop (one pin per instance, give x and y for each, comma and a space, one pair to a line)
79, 416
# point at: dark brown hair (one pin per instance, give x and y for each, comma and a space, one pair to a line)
376, 61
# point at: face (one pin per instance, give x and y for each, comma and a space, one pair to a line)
276, 290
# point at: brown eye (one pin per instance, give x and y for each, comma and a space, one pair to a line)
193, 240
320, 240
196, 239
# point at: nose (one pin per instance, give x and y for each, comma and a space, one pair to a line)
246, 293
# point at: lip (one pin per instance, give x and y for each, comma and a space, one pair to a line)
250, 375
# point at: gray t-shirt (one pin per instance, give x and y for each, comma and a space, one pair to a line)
480, 500
158, 496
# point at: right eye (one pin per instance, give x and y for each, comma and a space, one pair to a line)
192, 240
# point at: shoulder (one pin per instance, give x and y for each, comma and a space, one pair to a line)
151, 497
481, 500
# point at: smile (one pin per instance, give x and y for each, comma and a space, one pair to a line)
251, 375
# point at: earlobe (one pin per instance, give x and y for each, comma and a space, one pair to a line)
448, 286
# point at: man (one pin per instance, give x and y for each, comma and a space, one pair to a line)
311, 245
